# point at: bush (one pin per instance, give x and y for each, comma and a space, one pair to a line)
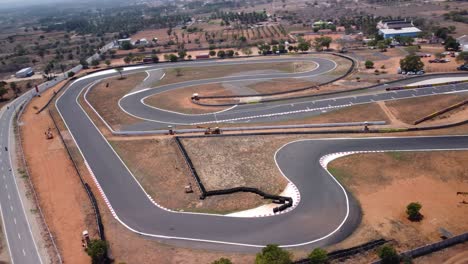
272, 254
97, 250
212, 53
71, 74
318, 256
388, 255
369, 64
222, 261
412, 210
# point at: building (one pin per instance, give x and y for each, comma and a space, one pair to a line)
463, 41
141, 42
397, 28
26, 72
122, 41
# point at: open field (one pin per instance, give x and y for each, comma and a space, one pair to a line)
105, 99
64, 202
160, 168
409, 110
180, 100
174, 75
385, 183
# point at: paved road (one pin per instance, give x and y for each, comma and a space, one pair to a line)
19, 237
326, 213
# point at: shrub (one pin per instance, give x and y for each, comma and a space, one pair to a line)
369, 64
97, 250
412, 210
318, 256
272, 254
388, 255
71, 74
222, 261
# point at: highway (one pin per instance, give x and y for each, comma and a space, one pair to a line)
325, 215
21, 244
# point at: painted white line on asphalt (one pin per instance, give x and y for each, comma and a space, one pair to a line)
14, 220
6, 235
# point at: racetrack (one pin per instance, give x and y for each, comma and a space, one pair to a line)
325, 214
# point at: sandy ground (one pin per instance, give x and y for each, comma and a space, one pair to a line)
105, 99
179, 100
385, 183
64, 202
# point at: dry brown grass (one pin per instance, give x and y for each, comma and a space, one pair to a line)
105, 99
385, 183
409, 110
281, 85
183, 74
159, 167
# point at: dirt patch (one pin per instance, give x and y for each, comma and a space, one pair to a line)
160, 168
105, 99
64, 202
385, 183
179, 100
175, 75
409, 110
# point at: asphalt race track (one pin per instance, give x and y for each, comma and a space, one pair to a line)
326, 213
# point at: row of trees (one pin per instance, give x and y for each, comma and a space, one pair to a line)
242, 17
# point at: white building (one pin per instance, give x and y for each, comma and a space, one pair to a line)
26, 72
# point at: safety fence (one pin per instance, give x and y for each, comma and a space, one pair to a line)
431, 248
346, 253
85, 185
443, 111
285, 202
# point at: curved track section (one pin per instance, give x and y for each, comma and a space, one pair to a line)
325, 215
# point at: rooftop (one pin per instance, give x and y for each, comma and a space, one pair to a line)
400, 31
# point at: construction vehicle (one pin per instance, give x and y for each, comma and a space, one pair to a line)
213, 131
85, 239
49, 134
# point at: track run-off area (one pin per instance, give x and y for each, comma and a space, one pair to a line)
326, 212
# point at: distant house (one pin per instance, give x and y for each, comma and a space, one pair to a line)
120, 42
26, 72
397, 28
141, 42
463, 41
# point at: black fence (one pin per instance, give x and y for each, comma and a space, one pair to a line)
346, 253
285, 202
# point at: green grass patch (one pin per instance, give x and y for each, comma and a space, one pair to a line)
341, 175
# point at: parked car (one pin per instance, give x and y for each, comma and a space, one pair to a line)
463, 67
439, 60
421, 72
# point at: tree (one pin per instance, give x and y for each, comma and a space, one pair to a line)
212, 53
15, 88
95, 63
230, 53
173, 58
272, 254
97, 250
127, 59
382, 46
182, 54
412, 210
222, 261
247, 51
304, 46
119, 70
221, 54
369, 64
321, 42
411, 63
388, 255
71, 74
108, 63
3, 91
126, 45
451, 44
318, 256
155, 58
462, 57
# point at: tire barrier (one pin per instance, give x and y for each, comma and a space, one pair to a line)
351, 69
434, 247
346, 253
443, 111
285, 202
85, 185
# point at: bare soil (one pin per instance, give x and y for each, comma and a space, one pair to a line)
64, 202
105, 99
409, 110
179, 100
160, 168
385, 183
